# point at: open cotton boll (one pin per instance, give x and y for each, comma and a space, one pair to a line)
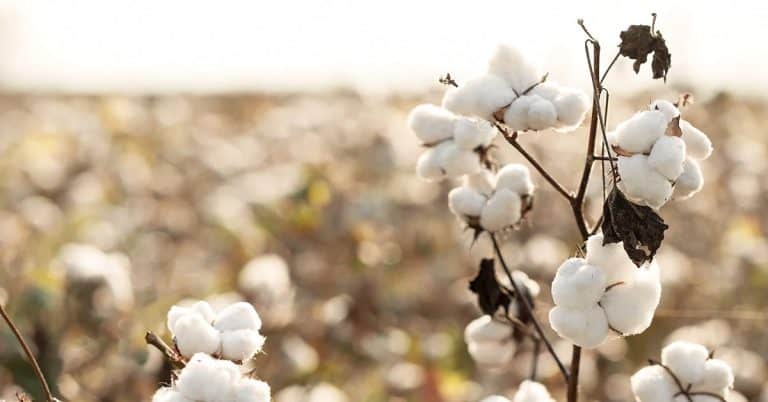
502, 210
642, 183
516, 115
485, 329
690, 181
653, 384
629, 307
577, 285
717, 377
548, 90
251, 390
205, 378
430, 163
458, 162
667, 156
491, 353
195, 335
640, 132
511, 65
686, 360
166, 394
201, 308
515, 177
241, 344
495, 398
465, 201
571, 106
482, 182
698, 144
666, 107
431, 123
479, 97
236, 316
611, 258
531, 391
472, 133
541, 114
586, 327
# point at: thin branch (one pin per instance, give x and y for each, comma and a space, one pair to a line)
528, 309
31, 357
607, 70
174, 357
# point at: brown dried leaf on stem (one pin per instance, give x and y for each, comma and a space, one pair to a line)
638, 41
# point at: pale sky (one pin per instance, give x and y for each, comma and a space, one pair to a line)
382, 46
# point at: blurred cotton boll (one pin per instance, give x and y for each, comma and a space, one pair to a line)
266, 282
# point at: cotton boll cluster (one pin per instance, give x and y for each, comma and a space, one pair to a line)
657, 161
452, 142
547, 106
489, 342
266, 282
689, 364
89, 271
603, 292
233, 333
206, 379
493, 203
529, 391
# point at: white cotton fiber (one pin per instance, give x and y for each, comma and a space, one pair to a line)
482, 182
195, 335
698, 145
717, 377
502, 210
491, 353
457, 162
531, 391
429, 165
653, 384
571, 107
472, 133
251, 390
630, 307
485, 329
431, 123
640, 132
666, 107
515, 177
641, 183
241, 344
236, 316
667, 156
586, 327
509, 63
686, 360
690, 181
611, 258
465, 201
205, 378
479, 97
492, 398
541, 114
516, 115
577, 285
547, 90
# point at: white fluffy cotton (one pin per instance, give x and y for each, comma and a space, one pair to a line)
233, 333
494, 398
577, 285
532, 391
691, 365
472, 133
541, 114
466, 202
611, 258
690, 181
629, 307
479, 97
508, 63
502, 210
698, 144
666, 107
667, 156
571, 106
489, 342
586, 327
447, 160
641, 183
516, 115
431, 123
640, 132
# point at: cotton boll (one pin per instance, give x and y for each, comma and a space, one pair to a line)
577, 285
198, 378
717, 377
241, 344
459, 162
667, 156
166, 394
586, 327
511, 65
480, 97
516, 115
236, 316
495, 398
485, 329
502, 210
629, 307
653, 384
515, 177
639, 132
431, 123
611, 258
547, 90
571, 106
698, 145
641, 183
541, 114
686, 360
195, 335
666, 107
472, 133
492, 354
482, 182
250, 390
465, 201
690, 181
531, 391
430, 163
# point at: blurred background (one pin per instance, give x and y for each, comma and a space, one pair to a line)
152, 152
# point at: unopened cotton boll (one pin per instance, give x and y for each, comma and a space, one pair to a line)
472, 133
640, 132
577, 285
571, 107
641, 183
516, 115
541, 114
698, 144
629, 307
653, 384
667, 156
611, 258
236, 316
431, 123
241, 344
479, 97
531, 391
458, 162
717, 377
511, 65
586, 327
492, 354
195, 335
485, 329
515, 177
502, 210
666, 107
466, 202
690, 181
250, 390
686, 360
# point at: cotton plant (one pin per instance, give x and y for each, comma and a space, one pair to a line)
687, 372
